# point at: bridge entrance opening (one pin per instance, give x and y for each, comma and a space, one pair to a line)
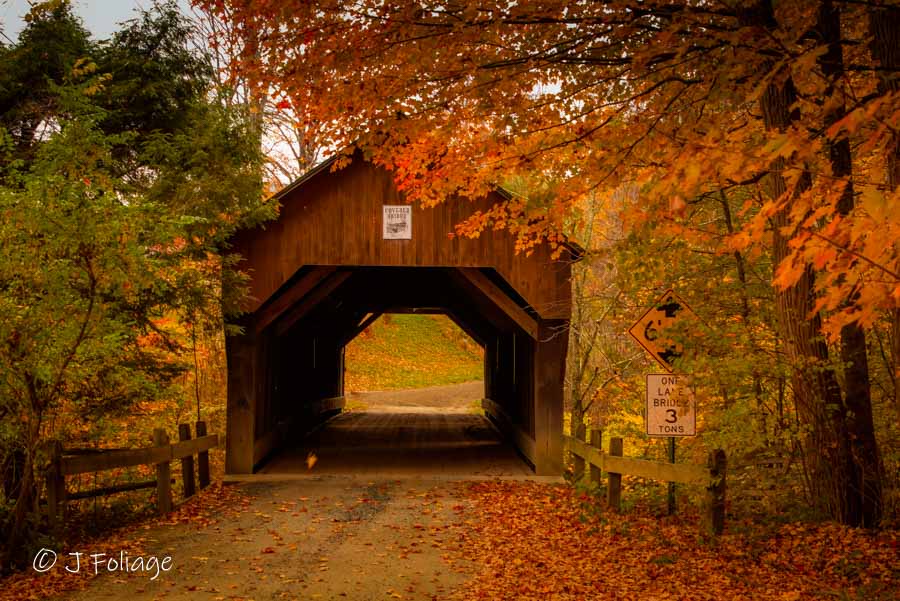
413, 390
418, 349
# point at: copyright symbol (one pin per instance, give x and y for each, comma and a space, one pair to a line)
44, 560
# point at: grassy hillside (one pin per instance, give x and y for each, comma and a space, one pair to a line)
411, 351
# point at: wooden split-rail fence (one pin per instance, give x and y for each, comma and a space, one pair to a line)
63, 463
711, 476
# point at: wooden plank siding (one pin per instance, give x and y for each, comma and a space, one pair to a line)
334, 219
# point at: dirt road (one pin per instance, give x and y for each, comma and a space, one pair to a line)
334, 538
451, 399
374, 519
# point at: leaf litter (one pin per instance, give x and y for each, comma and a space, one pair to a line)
536, 541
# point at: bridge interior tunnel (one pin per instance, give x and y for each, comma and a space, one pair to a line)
286, 371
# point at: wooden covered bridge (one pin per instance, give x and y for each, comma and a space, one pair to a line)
345, 249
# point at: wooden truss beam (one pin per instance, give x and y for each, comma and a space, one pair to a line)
269, 313
310, 301
499, 298
359, 328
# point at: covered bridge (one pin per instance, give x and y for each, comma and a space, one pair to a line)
347, 248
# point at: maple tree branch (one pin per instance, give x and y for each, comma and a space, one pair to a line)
641, 138
893, 274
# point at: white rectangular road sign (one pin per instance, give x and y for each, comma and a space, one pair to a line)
671, 409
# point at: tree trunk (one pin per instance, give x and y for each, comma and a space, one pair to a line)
579, 364
816, 390
25, 500
858, 450
13, 466
884, 26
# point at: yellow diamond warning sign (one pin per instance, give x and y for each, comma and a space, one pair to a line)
650, 329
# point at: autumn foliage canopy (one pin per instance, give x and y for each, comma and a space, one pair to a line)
661, 97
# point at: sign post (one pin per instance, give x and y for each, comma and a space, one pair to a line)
670, 411
670, 414
670, 496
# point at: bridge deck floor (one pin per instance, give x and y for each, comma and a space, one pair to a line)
427, 432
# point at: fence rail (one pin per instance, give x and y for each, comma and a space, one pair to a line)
712, 476
72, 462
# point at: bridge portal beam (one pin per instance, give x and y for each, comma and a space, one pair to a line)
243, 358
548, 369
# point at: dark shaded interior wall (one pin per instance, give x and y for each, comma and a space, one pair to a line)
310, 371
509, 376
308, 368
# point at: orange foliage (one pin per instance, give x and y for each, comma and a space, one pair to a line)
653, 95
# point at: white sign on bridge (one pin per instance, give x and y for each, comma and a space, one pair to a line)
397, 222
670, 406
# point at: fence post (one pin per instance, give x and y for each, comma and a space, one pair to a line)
202, 458
715, 493
614, 490
187, 463
597, 443
163, 474
56, 485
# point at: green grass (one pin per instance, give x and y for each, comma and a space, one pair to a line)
411, 351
